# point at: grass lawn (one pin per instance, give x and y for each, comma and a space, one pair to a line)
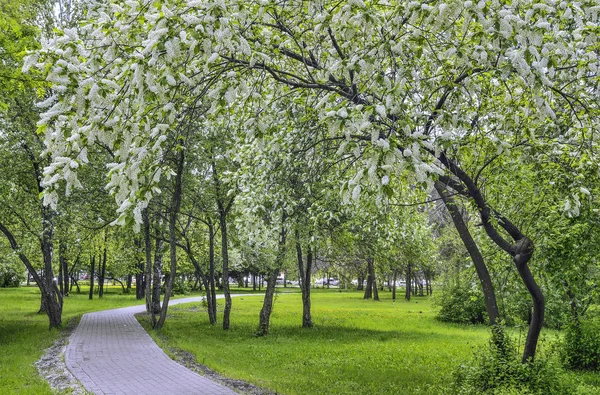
356, 347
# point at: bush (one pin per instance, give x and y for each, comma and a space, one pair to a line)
516, 308
181, 288
10, 277
497, 370
581, 345
462, 304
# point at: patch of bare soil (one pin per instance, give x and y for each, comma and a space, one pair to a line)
51, 366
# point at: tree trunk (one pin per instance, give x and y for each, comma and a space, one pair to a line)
225, 277
102, 277
67, 276
408, 282
92, 274
223, 209
483, 274
148, 269
394, 285
200, 277
74, 282
50, 295
175, 206
212, 291
371, 290
304, 281
210, 303
375, 292
265, 312
369, 287
522, 254
156, 281
63, 277
60, 274
140, 290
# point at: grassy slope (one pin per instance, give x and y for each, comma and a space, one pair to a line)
357, 346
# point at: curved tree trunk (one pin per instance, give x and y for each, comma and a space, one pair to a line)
265, 312
480, 266
521, 251
522, 254
50, 294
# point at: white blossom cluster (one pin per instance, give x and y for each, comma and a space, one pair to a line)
395, 82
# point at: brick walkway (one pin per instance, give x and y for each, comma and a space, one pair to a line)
110, 353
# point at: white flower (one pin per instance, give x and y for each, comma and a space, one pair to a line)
385, 180
356, 192
342, 113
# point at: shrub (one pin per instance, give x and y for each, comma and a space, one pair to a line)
581, 345
497, 370
181, 288
10, 277
517, 307
462, 304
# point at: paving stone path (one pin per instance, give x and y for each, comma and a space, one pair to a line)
110, 353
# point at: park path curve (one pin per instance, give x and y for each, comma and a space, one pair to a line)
110, 353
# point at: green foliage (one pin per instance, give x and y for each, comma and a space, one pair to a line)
11, 274
181, 288
497, 370
581, 346
462, 303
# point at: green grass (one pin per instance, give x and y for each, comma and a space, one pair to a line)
356, 347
